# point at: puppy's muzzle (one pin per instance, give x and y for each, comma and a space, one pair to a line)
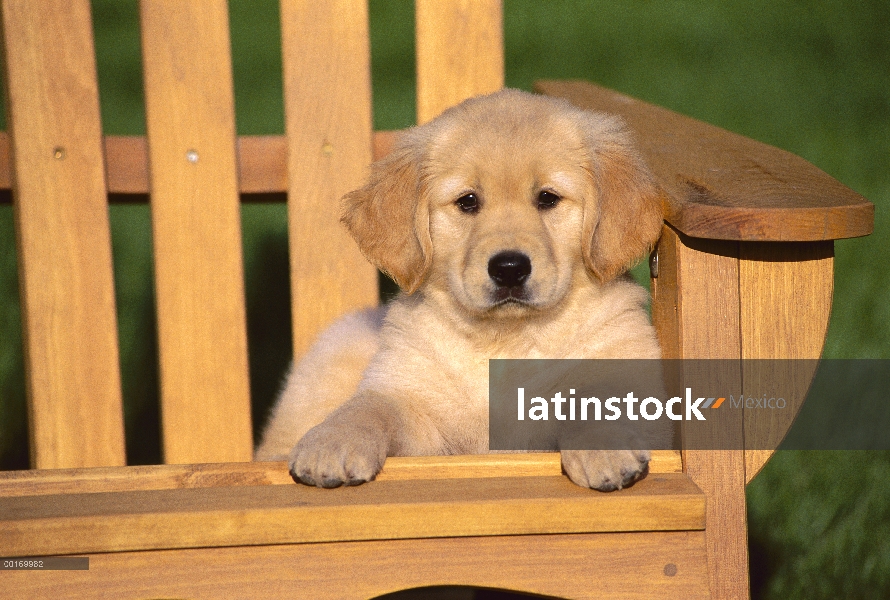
509, 270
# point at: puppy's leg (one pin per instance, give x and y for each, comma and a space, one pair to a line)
619, 467
325, 378
351, 445
605, 470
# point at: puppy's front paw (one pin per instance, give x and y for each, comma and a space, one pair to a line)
605, 470
330, 456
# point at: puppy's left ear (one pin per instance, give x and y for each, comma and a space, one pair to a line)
625, 220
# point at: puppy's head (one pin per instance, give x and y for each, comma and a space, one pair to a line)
505, 202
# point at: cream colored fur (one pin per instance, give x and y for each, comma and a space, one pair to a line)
412, 378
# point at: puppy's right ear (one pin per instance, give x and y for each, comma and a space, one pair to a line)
389, 219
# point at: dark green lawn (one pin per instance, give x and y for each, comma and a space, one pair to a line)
810, 77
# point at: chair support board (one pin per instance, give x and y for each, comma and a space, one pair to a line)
622, 566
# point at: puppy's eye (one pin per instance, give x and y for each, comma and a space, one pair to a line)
468, 203
547, 200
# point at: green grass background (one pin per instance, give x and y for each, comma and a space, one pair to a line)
812, 77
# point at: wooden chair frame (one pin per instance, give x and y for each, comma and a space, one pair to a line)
744, 270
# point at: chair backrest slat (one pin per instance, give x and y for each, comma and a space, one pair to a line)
327, 100
205, 396
64, 243
460, 52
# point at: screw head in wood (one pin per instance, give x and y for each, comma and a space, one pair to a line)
59, 153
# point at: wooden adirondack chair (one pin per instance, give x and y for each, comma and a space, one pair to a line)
744, 270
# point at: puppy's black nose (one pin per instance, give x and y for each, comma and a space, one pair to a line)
510, 268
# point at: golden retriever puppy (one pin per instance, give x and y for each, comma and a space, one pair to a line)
507, 222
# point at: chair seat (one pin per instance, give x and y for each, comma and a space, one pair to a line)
501, 521
228, 508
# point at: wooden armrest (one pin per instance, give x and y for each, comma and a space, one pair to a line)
725, 186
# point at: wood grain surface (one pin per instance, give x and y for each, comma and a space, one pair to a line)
786, 294
460, 52
253, 515
196, 226
262, 163
327, 102
162, 477
695, 309
639, 566
64, 244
